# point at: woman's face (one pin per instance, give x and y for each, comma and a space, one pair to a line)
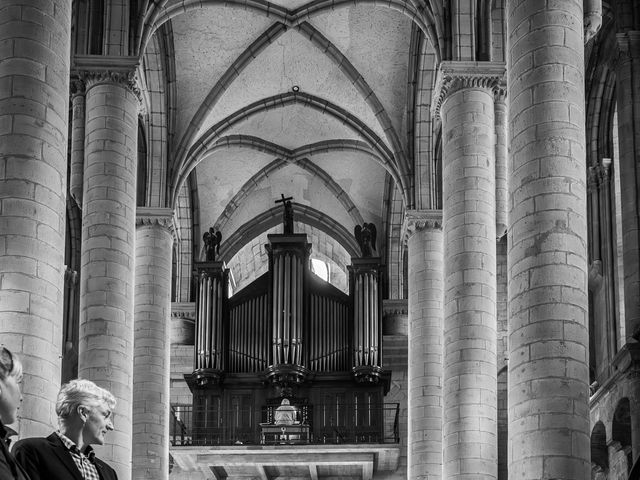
10, 398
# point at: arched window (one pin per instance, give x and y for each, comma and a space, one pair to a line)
599, 453
141, 189
320, 269
621, 429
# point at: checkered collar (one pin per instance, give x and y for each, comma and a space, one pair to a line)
71, 446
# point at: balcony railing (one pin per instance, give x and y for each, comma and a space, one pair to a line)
326, 424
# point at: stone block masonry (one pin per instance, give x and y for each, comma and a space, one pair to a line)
108, 255
34, 96
547, 258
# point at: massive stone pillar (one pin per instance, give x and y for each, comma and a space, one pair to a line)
628, 95
547, 256
425, 249
34, 105
469, 229
108, 248
152, 345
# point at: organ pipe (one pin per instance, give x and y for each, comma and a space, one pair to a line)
209, 355
288, 257
365, 276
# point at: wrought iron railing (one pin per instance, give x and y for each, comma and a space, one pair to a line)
328, 424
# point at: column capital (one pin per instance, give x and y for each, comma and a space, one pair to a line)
101, 69
183, 310
77, 87
418, 220
454, 76
163, 217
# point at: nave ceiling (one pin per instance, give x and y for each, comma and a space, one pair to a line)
241, 136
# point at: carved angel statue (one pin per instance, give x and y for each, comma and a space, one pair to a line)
366, 237
212, 240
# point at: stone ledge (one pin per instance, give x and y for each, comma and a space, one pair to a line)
625, 363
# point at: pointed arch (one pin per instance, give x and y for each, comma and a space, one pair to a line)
159, 14
273, 217
340, 194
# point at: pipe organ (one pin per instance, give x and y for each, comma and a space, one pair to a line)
288, 334
288, 272
364, 282
288, 258
211, 296
249, 336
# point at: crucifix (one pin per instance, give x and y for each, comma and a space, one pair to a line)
287, 215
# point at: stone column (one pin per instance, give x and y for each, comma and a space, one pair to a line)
469, 229
108, 249
425, 249
34, 105
152, 345
77, 142
628, 95
547, 257
502, 151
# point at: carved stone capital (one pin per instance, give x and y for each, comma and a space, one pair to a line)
455, 76
418, 220
599, 175
500, 92
395, 316
70, 277
592, 20
183, 323
77, 87
162, 217
98, 69
183, 310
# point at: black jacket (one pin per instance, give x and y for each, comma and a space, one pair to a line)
9, 468
48, 459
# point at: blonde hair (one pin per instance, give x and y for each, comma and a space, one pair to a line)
81, 392
10, 365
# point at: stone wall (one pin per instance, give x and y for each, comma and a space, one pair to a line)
252, 260
394, 353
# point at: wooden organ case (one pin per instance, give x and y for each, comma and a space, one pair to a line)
289, 335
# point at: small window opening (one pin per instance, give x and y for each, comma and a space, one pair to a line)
320, 268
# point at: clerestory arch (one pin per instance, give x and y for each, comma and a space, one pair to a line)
272, 217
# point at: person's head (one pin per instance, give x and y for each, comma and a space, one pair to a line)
84, 404
10, 378
285, 401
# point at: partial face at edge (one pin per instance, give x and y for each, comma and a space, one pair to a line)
10, 398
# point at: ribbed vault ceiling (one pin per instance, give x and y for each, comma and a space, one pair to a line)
332, 146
